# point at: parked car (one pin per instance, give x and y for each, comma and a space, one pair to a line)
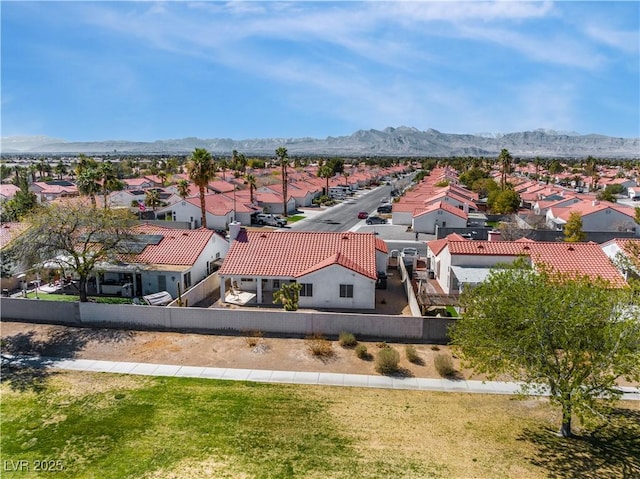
409, 252
384, 208
376, 220
363, 215
271, 220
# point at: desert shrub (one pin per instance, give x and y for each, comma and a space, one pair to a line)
318, 346
382, 344
361, 351
435, 347
412, 355
252, 338
347, 340
387, 360
444, 365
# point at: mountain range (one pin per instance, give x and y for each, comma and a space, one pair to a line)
401, 141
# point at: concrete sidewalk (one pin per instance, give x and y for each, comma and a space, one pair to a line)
288, 377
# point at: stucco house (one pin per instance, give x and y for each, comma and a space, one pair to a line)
52, 190
160, 259
440, 214
336, 270
457, 262
596, 216
624, 253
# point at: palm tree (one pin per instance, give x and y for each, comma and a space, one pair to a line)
201, 171
283, 159
223, 166
152, 198
183, 189
110, 181
60, 169
505, 159
346, 175
87, 183
251, 181
163, 176
326, 172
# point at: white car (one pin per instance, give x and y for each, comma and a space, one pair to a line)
271, 220
409, 252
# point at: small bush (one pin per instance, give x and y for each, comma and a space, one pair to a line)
412, 355
382, 344
252, 338
347, 340
318, 346
435, 347
361, 351
387, 361
444, 365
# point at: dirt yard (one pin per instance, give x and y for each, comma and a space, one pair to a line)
202, 350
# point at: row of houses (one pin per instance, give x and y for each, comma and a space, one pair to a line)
429, 206
456, 262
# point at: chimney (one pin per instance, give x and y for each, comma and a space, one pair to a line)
494, 235
234, 230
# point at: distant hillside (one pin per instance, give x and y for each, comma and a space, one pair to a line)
401, 141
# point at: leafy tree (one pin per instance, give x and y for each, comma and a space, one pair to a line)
22, 202
74, 238
162, 175
283, 161
637, 214
288, 295
183, 189
565, 334
472, 175
503, 201
555, 167
201, 170
484, 186
573, 229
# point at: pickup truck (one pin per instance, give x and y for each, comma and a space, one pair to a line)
271, 220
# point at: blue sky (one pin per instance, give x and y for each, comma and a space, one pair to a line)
157, 70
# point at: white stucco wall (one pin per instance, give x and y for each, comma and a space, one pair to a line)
401, 218
426, 223
326, 289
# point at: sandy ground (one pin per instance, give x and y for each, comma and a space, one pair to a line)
202, 350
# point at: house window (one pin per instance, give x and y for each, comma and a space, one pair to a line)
346, 291
187, 280
306, 290
246, 280
162, 283
276, 284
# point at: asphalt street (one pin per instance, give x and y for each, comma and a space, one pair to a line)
344, 217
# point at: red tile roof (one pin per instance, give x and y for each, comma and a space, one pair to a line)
9, 231
440, 206
582, 258
177, 247
295, 253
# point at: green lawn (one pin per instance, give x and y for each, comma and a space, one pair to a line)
117, 426
71, 298
294, 218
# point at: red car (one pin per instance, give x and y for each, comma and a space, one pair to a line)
363, 215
